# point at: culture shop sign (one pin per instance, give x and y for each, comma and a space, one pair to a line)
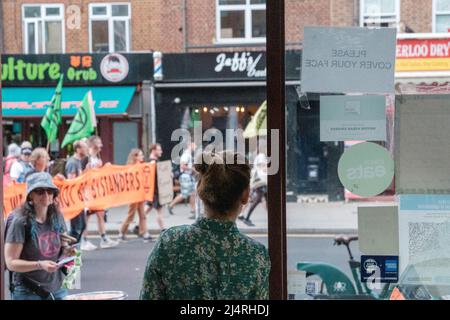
78, 69
96, 189
417, 55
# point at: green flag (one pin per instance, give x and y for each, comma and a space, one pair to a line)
52, 117
84, 123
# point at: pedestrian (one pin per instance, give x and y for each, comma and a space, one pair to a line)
258, 186
8, 161
136, 156
35, 238
95, 145
187, 188
39, 162
74, 169
211, 259
20, 168
156, 154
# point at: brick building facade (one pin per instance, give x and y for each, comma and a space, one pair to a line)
190, 25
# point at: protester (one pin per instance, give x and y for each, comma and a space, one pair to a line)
211, 259
258, 186
134, 157
72, 170
39, 161
36, 237
155, 154
95, 147
20, 168
8, 161
187, 181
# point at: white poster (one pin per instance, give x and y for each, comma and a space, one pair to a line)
344, 118
424, 239
165, 182
422, 144
348, 60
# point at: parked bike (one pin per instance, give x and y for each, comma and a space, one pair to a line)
335, 284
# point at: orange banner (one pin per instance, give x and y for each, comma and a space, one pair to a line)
96, 189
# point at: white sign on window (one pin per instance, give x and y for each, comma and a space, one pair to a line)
348, 60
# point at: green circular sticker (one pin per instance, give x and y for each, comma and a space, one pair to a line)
366, 169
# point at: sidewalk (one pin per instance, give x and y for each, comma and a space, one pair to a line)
302, 218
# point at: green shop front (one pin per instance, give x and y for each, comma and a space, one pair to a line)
116, 81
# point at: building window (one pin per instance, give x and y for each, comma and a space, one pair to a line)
109, 27
380, 13
241, 21
43, 28
441, 16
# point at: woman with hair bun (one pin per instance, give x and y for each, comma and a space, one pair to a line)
211, 259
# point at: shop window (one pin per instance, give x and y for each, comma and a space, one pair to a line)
241, 21
441, 16
380, 13
43, 28
109, 27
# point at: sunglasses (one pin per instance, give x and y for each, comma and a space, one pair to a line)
41, 191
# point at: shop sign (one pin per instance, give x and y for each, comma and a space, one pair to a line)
78, 69
352, 118
348, 60
417, 55
366, 169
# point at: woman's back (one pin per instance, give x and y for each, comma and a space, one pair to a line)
210, 259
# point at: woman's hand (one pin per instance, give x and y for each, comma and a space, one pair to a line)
48, 266
69, 251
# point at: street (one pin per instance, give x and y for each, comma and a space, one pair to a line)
122, 268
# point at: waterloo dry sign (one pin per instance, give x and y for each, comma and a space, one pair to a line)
82, 69
348, 60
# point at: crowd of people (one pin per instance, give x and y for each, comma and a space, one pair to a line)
37, 235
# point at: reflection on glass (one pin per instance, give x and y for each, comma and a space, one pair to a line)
120, 10
232, 24
39, 36
32, 12
31, 37
53, 37
442, 23
442, 5
379, 6
258, 23
52, 11
100, 36
120, 37
228, 2
99, 10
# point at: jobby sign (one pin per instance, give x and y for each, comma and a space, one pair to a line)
348, 60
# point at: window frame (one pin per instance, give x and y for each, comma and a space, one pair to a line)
110, 19
248, 8
362, 15
40, 21
435, 14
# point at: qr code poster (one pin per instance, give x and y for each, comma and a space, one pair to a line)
424, 235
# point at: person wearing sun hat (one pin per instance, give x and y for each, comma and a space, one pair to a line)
35, 239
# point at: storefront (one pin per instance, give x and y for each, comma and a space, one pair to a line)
224, 90
116, 82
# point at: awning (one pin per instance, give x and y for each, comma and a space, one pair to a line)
32, 102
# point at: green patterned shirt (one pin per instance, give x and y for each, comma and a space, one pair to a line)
210, 259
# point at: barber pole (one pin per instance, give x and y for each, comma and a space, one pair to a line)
157, 66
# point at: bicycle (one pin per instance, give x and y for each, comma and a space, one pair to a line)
336, 283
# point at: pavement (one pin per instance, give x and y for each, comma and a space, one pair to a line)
302, 218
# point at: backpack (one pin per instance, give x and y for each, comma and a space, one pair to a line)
27, 226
